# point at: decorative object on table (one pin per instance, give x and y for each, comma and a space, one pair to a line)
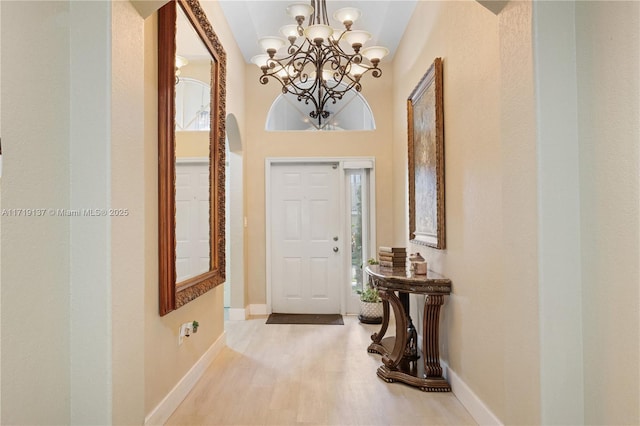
320, 64
426, 160
392, 257
418, 264
370, 303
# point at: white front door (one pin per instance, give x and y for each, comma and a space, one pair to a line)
306, 245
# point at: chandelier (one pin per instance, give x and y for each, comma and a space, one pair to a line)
321, 63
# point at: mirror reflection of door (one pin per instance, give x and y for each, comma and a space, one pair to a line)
192, 217
193, 118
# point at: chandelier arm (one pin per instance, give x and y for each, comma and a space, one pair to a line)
317, 112
334, 60
341, 77
340, 61
293, 53
287, 86
294, 48
296, 89
305, 95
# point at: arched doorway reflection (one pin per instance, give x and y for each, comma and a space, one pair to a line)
234, 285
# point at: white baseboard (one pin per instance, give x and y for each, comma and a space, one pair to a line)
237, 314
166, 407
258, 310
474, 405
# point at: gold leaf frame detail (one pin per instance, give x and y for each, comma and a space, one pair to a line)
425, 113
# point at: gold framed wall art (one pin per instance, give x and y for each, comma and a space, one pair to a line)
425, 113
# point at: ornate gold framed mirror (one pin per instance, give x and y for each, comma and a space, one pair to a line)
191, 145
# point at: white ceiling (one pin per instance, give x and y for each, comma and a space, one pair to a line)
386, 20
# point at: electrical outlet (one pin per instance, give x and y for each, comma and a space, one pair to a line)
185, 331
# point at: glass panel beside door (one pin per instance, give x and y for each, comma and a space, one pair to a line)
359, 223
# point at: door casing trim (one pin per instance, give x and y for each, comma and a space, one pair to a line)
271, 161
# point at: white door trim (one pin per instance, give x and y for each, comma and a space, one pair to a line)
369, 208
192, 160
269, 162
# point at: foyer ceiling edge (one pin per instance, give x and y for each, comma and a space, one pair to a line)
249, 20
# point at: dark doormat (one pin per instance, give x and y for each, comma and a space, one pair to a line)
321, 319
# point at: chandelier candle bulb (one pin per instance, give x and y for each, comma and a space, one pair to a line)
287, 72
181, 61
375, 53
260, 60
271, 44
318, 32
347, 15
357, 38
357, 70
290, 32
299, 11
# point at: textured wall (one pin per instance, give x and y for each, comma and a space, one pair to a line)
520, 324
127, 250
608, 71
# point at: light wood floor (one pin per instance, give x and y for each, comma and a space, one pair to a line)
307, 375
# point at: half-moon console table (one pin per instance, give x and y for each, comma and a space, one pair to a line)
399, 354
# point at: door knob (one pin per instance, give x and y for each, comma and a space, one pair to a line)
335, 249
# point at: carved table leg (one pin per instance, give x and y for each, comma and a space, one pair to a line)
393, 359
401, 368
411, 350
376, 345
430, 340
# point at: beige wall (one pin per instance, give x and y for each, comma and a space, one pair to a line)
199, 69
127, 244
520, 324
490, 320
261, 144
608, 76
166, 362
192, 144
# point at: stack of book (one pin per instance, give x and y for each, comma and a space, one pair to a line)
392, 257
